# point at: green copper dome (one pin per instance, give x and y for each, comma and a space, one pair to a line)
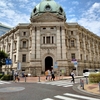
48, 6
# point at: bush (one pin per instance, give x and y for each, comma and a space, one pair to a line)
1, 76
94, 77
7, 77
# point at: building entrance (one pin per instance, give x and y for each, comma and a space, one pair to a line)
48, 63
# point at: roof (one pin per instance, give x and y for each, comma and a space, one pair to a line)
4, 29
48, 6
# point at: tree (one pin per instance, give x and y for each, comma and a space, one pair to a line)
3, 56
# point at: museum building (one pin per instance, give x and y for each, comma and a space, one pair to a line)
49, 41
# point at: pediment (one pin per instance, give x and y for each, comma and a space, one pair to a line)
47, 17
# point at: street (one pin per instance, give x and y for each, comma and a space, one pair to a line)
50, 90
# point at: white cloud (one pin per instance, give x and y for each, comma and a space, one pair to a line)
75, 3
24, 1
90, 18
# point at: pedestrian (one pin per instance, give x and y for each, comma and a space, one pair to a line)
73, 77
46, 74
49, 74
52, 75
17, 77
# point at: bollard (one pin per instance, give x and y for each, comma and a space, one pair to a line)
86, 80
80, 82
25, 78
83, 84
99, 86
39, 78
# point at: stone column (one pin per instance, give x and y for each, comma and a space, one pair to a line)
89, 51
11, 48
84, 48
58, 43
33, 44
78, 47
63, 44
38, 43
98, 52
6, 46
93, 51
18, 46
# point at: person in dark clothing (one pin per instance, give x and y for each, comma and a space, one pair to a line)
73, 75
52, 75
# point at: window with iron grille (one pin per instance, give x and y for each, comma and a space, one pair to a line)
24, 44
73, 55
24, 58
72, 43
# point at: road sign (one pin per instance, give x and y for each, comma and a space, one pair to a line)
8, 61
55, 65
19, 66
74, 61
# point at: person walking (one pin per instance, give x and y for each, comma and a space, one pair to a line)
52, 75
16, 77
73, 76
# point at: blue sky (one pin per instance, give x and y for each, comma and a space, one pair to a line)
84, 12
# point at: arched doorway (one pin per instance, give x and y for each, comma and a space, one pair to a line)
48, 63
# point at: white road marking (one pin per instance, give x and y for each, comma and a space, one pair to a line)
48, 99
80, 96
3, 82
64, 98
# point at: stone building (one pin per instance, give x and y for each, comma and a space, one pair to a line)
48, 40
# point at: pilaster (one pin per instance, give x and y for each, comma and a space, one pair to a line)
78, 47
58, 43
63, 44
33, 43
38, 43
84, 48
17, 52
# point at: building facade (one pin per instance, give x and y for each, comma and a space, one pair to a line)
48, 40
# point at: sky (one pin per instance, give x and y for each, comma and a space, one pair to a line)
84, 12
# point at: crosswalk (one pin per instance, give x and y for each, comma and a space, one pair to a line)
63, 83
69, 96
4, 82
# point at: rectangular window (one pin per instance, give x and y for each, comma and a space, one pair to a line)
24, 58
52, 40
72, 43
14, 58
86, 57
43, 40
71, 32
24, 33
81, 56
15, 45
24, 44
73, 55
48, 39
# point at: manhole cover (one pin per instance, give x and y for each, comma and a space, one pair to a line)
11, 89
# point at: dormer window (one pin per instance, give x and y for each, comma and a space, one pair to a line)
47, 8
34, 10
61, 10
24, 33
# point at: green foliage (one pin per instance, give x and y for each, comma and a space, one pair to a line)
94, 77
1, 76
7, 77
3, 56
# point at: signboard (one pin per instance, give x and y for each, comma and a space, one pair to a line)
8, 61
74, 61
19, 66
55, 65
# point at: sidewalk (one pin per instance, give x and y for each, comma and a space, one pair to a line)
92, 88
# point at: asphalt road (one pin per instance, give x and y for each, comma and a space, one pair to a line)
56, 90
